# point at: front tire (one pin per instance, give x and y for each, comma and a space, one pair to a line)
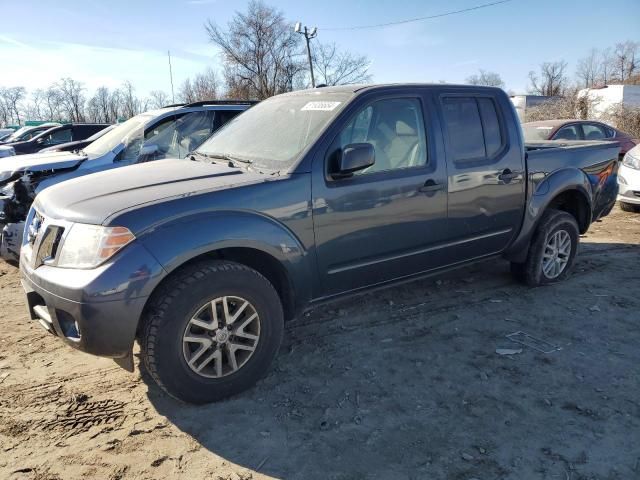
552, 250
211, 331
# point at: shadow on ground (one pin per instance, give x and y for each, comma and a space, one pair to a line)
406, 383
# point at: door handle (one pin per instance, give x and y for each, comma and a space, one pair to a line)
507, 175
430, 186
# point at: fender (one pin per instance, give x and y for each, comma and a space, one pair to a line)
182, 239
544, 192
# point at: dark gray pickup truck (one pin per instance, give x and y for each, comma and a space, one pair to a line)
307, 197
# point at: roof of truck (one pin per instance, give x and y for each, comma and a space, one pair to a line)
356, 88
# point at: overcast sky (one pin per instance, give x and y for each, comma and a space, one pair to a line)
105, 42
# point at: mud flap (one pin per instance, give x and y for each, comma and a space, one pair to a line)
125, 362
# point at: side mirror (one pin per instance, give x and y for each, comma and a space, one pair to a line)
355, 157
148, 152
40, 140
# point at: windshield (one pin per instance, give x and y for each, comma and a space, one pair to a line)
273, 134
128, 132
18, 134
535, 133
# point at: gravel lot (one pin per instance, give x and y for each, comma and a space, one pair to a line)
404, 383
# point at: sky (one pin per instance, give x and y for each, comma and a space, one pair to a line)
105, 42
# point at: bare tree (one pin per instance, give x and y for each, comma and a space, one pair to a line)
590, 69
625, 60
186, 93
260, 51
129, 101
552, 80
11, 98
206, 85
158, 99
115, 99
335, 67
72, 97
488, 79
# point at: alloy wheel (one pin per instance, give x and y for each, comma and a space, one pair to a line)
221, 337
556, 254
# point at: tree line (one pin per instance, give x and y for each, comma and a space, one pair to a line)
619, 64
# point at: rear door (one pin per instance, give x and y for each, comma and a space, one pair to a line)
387, 221
486, 172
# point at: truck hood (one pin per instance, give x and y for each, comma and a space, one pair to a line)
94, 198
40, 161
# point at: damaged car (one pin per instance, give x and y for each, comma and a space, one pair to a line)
170, 132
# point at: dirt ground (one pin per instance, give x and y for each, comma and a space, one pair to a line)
400, 384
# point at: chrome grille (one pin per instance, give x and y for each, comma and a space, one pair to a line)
48, 246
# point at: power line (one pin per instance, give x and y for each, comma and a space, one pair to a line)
418, 19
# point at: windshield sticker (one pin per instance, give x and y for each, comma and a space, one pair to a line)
321, 106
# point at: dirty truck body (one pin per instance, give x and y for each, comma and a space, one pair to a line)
307, 197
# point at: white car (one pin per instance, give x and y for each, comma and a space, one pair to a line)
629, 181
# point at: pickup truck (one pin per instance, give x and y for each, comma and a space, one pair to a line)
307, 197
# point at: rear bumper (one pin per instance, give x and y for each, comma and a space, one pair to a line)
98, 310
629, 185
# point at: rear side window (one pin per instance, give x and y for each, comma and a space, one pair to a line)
473, 128
491, 126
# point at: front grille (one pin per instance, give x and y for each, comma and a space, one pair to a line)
48, 246
43, 236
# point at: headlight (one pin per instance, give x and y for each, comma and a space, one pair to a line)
87, 246
5, 175
631, 161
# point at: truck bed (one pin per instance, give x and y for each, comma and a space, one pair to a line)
597, 159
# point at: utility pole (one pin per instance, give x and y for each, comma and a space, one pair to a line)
308, 35
173, 96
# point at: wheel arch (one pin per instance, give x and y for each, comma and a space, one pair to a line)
568, 190
257, 241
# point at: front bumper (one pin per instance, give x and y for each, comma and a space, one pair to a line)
97, 310
629, 185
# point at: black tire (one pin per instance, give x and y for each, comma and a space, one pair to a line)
530, 272
170, 311
629, 207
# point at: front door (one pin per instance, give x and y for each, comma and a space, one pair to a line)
381, 222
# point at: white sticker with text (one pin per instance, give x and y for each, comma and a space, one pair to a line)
322, 106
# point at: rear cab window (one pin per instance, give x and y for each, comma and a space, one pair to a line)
473, 128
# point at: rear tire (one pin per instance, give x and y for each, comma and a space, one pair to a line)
629, 207
552, 250
230, 312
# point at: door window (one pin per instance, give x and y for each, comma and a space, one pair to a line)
570, 132
175, 137
464, 128
58, 137
593, 132
396, 130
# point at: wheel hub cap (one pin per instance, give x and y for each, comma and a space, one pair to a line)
221, 337
556, 254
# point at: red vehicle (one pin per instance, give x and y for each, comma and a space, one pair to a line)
576, 130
